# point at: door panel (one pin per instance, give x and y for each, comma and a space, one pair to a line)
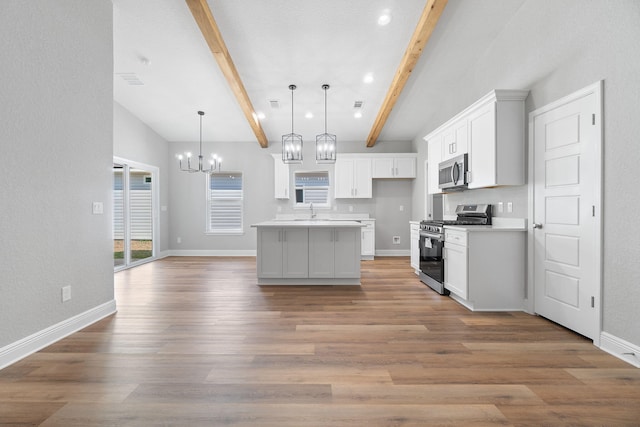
565, 259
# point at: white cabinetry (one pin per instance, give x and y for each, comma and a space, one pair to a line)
496, 140
353, 177
281, 177
368, 237
491, 132
283, 252
454, 140
455, 263
415, 246
485, 270
434, 154
334, 252
394, 167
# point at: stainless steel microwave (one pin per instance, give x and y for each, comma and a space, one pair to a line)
453, 173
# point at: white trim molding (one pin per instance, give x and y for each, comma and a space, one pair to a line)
35, 342
213, 252
393, 252
620, 348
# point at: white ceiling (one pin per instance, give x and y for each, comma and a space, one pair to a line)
304, 42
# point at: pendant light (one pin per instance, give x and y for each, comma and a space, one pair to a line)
292, 142
326, 143
215, 162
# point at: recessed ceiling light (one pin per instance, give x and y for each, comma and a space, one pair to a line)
309, 115
261, 115
368, 78
357, 114
384, 18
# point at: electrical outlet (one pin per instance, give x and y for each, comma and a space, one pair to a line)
509, 207
401, 208
396, 240
179, 239
66, 293
500, 207
97, 208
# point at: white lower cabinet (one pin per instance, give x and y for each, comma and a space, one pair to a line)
283, 252
368, 237
415, 246
485, 270
334, 253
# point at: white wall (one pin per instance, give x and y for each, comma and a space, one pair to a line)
56, 130
554, 48
134, 140
187, 195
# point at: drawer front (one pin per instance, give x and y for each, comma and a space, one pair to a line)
455, 236
368, 224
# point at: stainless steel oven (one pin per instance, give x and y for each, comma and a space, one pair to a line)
431, 243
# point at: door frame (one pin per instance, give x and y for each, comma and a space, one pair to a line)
155, 210
596, 89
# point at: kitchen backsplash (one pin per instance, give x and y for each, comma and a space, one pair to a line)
517, 196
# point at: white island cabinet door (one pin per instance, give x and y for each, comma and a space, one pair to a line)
269, 252
295, 248
321, 250
347, 252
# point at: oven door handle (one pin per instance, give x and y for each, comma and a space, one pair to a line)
437, 237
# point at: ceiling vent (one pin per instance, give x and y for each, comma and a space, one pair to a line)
274, 103
357, 104
131, 79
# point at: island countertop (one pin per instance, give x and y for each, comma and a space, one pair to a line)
311, 223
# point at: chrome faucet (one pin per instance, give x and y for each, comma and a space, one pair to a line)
313, 214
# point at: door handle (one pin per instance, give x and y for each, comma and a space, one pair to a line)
536, 225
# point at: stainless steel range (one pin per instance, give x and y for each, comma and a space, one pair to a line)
431, 242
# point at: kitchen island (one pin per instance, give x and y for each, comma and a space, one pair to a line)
308, 252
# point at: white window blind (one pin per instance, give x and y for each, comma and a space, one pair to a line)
224, 203
312, 187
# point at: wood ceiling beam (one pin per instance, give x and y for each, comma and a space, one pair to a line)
211, 33
426, 24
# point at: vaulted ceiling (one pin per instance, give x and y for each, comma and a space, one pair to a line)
164, 71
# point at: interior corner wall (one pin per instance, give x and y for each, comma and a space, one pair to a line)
56, 112
134, 140
553, 49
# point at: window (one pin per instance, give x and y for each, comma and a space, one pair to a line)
224, 203
312, 187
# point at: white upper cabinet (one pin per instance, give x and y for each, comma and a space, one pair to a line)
281, 177
491, 133
434, 153
496, 140
353, 177
454, 140
395, 166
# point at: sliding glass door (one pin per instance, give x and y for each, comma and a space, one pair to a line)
134, 213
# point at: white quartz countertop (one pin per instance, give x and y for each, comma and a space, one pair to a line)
310, 223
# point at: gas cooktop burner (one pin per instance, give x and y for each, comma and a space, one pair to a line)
467, 215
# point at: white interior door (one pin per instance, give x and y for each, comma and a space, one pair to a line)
566, 139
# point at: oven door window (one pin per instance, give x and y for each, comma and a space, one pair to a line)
431, 262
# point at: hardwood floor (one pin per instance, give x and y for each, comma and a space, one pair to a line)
196, 342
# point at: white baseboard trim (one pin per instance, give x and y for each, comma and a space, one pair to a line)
214, 252
164, 254
393, 252
29, 345
620, 348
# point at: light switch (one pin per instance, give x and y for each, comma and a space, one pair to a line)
500, 207
98, 208
509, 207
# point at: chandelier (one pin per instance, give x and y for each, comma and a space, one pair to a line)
326, 142
215, 162
292, 142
